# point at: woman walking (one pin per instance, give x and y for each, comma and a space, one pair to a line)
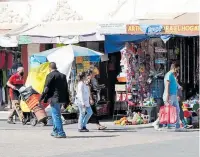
94, 119
83, 102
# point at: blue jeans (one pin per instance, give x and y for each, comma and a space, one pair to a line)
84, 116
57, 121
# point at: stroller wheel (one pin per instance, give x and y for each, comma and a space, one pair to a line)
33, 121
25, 121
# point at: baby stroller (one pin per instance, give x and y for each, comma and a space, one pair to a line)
33, 111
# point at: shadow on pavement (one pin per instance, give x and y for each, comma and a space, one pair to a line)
115, 130
100, 136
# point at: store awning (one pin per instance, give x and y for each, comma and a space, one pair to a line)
181, 19
114, 43
8, 41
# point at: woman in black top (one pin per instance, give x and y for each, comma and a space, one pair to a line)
93, 83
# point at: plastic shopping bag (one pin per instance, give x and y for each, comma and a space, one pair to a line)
167, 114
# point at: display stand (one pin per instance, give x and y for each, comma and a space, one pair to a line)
137, 96
121, 105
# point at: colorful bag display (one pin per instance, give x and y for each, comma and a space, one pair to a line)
167, 114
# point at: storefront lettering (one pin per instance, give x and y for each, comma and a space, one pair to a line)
134, 28
176, 28
167, 29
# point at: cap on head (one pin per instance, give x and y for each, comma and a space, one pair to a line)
53, 66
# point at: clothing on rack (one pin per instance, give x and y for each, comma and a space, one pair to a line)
2, 59
3, 78
9, 60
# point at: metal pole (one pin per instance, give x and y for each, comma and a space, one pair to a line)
188, 79
184, 58
181, 60
194, 61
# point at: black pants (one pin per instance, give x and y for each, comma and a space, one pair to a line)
181, 111
94, 119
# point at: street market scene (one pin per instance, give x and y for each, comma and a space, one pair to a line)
99, 78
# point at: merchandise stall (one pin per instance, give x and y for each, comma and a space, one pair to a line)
84, 57
141, 81
191, 111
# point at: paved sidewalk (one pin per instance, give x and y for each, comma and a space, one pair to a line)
4, 115
116, 141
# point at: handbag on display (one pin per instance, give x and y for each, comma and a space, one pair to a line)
167, 114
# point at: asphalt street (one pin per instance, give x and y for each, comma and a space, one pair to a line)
117, 141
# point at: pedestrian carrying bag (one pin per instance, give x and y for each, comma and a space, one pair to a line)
167, 114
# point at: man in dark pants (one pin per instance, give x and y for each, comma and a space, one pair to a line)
15, 82
56, 89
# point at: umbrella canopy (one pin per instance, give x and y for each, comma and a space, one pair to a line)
77, 51
62, 56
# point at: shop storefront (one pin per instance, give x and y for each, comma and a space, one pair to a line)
145, 59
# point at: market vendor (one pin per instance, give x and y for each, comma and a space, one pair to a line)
15, 82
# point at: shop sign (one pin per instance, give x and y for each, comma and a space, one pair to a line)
24, 40
112, 28
152, 29
167, 29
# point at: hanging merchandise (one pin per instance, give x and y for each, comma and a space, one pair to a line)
4, 78
2, 59
9, 60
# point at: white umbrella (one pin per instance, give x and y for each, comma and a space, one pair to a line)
64, 56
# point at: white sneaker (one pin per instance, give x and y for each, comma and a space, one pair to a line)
156, 127
155, 123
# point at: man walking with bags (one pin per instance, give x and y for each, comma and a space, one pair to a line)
171, 90
170, 94
56, 90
